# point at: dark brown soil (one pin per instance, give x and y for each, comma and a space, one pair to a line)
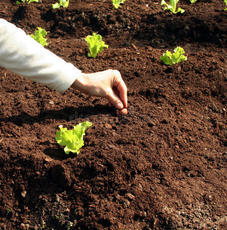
163, 166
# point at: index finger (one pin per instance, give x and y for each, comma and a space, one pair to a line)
121, 87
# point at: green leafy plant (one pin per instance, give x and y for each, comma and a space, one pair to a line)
39, 35
116, 3
193, 1
225, 4
24, 1
72, 139
95, 44
63, 3
173, 58
172, 6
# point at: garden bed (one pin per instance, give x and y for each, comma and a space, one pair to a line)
162, 166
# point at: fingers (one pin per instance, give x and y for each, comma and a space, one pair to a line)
117, 96
114, 100
121, 88
123, 111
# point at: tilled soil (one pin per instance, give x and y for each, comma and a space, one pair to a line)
162, 166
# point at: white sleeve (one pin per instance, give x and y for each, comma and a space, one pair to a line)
23, 55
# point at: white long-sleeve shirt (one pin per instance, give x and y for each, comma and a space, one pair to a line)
23, 55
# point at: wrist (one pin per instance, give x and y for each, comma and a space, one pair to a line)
81, 82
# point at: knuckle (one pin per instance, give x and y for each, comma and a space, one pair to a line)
116, 73
117, 76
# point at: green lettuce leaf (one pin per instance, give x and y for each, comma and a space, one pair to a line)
72, 139
95, 44
39, 35
173, 58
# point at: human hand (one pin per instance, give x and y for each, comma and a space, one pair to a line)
108, 84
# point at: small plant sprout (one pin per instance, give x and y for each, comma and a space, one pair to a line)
225, 4
95, 44
193, 1
116, 3
63, 3
172, 6
72, 139
173, 58
39, 35
24, 1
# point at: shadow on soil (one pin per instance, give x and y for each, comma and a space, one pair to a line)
68, 113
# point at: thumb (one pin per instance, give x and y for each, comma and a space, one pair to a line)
114, 99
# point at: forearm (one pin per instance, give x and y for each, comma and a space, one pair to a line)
23, 55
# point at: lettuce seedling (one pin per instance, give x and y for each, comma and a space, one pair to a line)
193, 1
28, 1
116, 3
225, 4
39, 35
172, 6
63, 3
170, 59
95, 44
72, 139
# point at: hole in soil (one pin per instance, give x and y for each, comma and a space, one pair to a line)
155, 166
89, 172
122, 192
19, 14
110, 167
58, 154
137, 217
105, 222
